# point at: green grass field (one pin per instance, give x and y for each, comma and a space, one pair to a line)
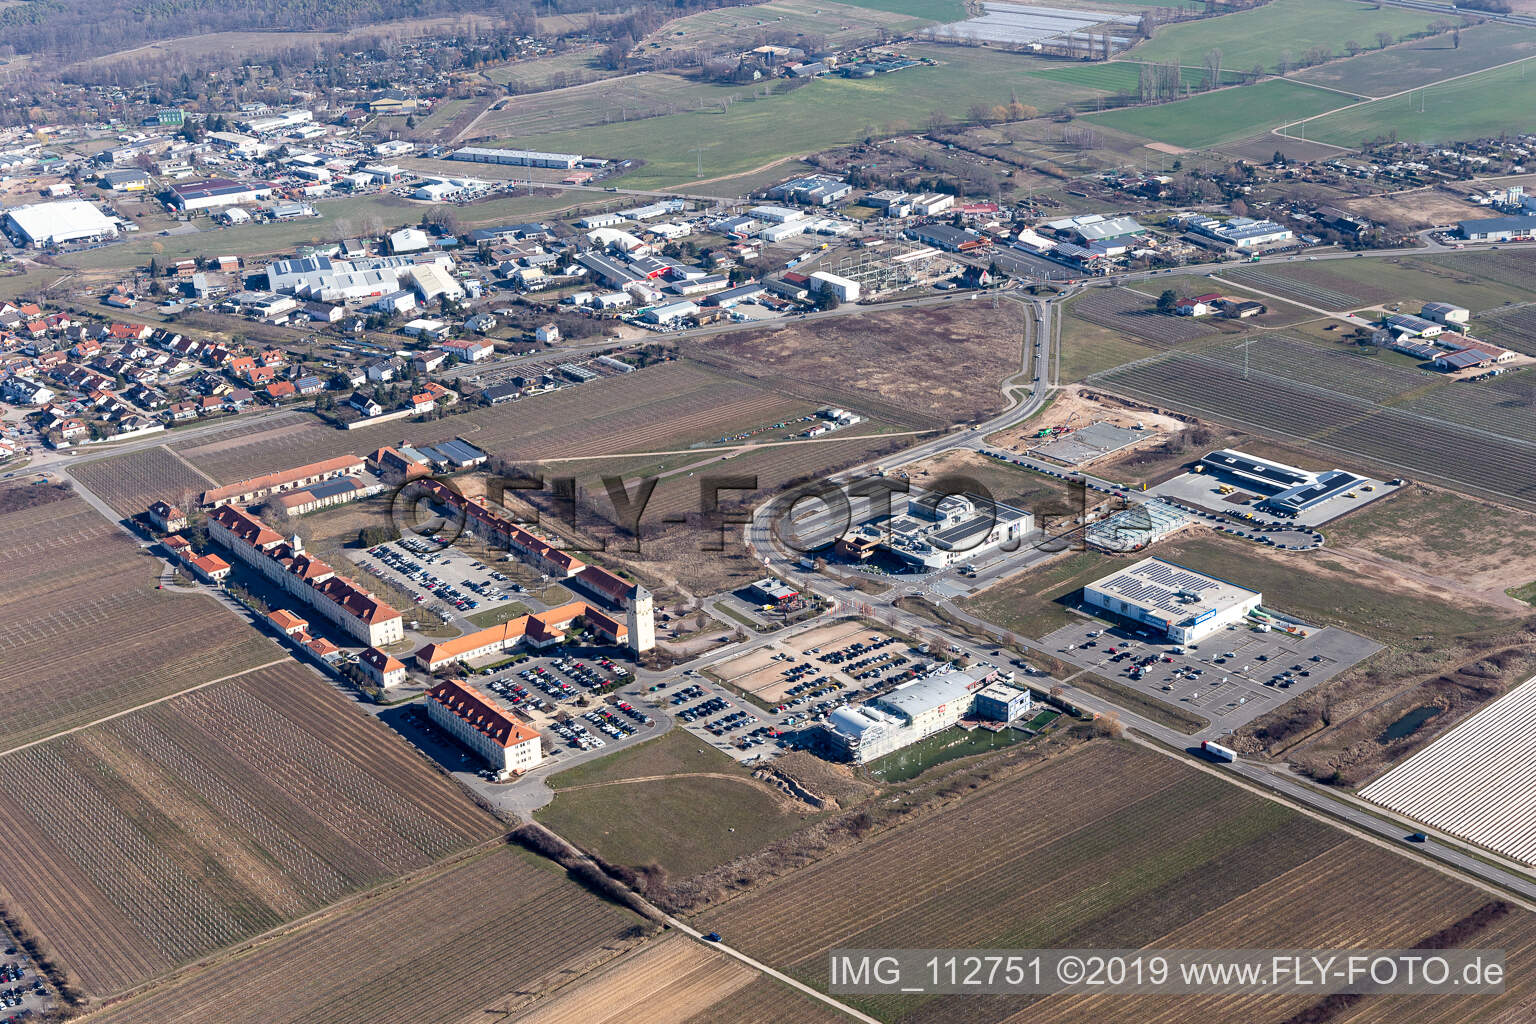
1260, 37
825, 113
1118, 77
1477, 106
674, 801
1208, 119
927, 10
1088, 349
1410, 65
575, 64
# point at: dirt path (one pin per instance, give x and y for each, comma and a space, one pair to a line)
1403, 573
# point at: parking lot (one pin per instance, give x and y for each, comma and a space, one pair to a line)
722, 719
1230, 677
449, 582
23, 995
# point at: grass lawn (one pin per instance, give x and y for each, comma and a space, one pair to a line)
825, 113
1214, 117
1031, 603
928, 10
1526, 593
1089, 348
1261, 36
675, 752
949, 745
687, 825
496, 616
687, 822
1410, 65
1478, 106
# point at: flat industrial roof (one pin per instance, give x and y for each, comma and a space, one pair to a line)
1171, 591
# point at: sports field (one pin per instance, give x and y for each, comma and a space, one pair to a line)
1483, 105
1111, 845
1410, 65
1284, 29
1208, 119
822, 114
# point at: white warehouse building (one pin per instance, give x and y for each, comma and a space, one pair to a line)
865, 732
1184, 605
846, 289
43, 224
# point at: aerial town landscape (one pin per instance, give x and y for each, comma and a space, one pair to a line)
590, 511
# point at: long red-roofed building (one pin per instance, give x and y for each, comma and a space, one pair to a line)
539, 630
502, 741
609, 590
349, 607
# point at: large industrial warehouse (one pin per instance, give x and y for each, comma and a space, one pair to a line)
43, 224
1184, 605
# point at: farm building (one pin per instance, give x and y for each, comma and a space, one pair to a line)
1408, 325
1477, 782
44, 224
503, 742
1445, 313
1183, 605
1200, 305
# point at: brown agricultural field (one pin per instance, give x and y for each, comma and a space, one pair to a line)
442, 948
673, 978
140, 844
86, 634
920, 367
672, 405
1117, 846
131, 482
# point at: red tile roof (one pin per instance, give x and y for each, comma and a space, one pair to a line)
381, 661
271, 481
472, 707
